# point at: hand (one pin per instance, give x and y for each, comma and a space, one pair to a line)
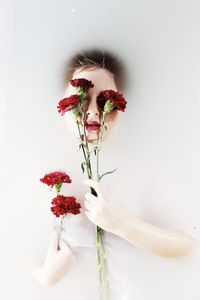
56, 263
102, 210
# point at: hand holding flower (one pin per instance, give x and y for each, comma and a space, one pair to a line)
56, 264
102, 210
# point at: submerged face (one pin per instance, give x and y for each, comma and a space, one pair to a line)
102, 80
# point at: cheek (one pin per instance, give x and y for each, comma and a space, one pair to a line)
112, 118
70, 90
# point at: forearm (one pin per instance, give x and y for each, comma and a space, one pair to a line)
109, 215
157, 240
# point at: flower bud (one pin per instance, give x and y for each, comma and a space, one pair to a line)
81, 92
75, 112
108, 107
58, 187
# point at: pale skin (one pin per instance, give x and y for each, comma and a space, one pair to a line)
103, 210
56, 264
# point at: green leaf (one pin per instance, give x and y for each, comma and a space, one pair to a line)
83, 166
82, 144
95, 150
107, 173
108, 107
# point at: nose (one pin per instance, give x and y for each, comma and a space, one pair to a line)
92, 109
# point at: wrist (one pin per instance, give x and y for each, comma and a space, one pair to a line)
122, 227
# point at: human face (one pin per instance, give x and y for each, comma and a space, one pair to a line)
102, 80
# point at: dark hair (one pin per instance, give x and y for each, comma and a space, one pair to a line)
98, 58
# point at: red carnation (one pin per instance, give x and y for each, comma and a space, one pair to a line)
68, 104
63, 205
82, 82
56, 178
114, 97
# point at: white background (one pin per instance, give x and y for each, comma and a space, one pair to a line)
155, 148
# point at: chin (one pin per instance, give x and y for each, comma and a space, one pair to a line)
92, 139
92, 142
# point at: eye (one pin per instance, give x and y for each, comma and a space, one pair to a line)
101, 100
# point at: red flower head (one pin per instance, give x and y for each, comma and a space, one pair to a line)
56, 178
68, 104
82, 82
63, 205
117, 100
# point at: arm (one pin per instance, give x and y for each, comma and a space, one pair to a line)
104, 212
56, 264
160, 241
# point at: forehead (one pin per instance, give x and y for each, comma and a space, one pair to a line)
101, 79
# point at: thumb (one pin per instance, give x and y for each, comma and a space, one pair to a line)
53, 243
66, 253
64, 247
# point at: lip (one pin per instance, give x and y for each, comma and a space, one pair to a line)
92, 125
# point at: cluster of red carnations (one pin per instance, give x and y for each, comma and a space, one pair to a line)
61, 205
68, 103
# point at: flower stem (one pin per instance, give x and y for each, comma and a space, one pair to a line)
61, 228
99, 258
89, 172
98, 229
106, 265
100, 232
87, 147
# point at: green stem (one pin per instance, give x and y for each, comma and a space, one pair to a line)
85, 156
100, 141
61, 228
99, 258
99, 233
98, 176
98, 229
106, 264
89, 172
86, 143
103, 125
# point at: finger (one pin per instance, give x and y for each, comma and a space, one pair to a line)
64, 247
66, 253
87, 205
89, 216
63, 243
91, 198
53, 243
94, 184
